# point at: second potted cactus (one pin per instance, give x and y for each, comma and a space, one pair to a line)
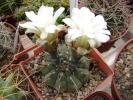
7, 36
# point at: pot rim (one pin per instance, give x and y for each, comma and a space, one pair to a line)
100, 93
115, 91
6, 17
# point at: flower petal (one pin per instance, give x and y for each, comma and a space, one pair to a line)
61, 27
85, 12
58, 13
106, 32
78, 22
31, 28
32, 31
89, 34
28, 25
93, 43
43, 35
45, 16
31, 15
102, 37
69, 22
45, 11
50, 29
74, 33
99, 22
75, 11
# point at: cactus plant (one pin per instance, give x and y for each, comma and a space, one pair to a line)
66, 71
65, 65
6, 40
6, 43
8, 6
8, 90
115, 13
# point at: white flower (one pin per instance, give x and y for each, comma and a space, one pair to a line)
84, 23
44, 22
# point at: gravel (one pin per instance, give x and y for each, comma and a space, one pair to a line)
124, 73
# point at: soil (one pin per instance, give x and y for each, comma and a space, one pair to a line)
124, 73
8, 48
96, 77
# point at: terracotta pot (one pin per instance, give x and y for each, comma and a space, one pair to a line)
26, 42
10, 25
20, 56
103, 95
94, 54
115, 91
9, 19
6, 17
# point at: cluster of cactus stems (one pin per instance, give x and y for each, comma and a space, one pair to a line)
33, 5
6, 40
64, 69
9, 90
115, 13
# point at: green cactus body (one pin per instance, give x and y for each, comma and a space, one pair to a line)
8, 90
82, 42
64, 70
